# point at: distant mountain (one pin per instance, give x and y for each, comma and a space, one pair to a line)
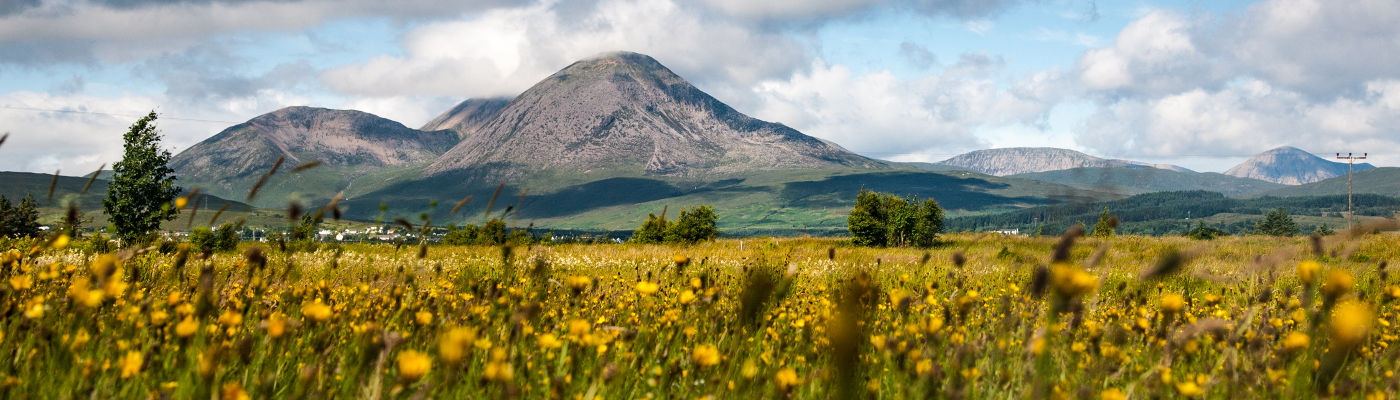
626, 114
358, 151
1021, 160
467, 116
1383, 181
1147, 180
1291, 166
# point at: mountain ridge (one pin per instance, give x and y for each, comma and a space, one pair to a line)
1291, 166
1021, 160
625, 113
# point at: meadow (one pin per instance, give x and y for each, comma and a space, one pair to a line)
978, 316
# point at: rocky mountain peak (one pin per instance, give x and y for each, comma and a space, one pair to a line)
1291, 166
625, 113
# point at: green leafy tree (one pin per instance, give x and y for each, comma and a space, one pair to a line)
493, 232
1277, 223
867, 220
693, 226
223, 239
928, 224
143, 185
18, 221
1203, 232
465, 235
1106, 225
653, 230
21, 220
882, 219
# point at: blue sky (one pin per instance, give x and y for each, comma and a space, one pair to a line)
1202, 84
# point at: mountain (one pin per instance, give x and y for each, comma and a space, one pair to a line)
1383, 181
1021, 160
1147, 180
1291, 166
626, 114
467, 116
358, 151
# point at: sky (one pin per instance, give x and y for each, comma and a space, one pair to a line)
1200, 84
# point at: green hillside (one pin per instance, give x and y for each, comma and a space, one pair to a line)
1383, 181
1170, 212
69, 190
1130, 181
772, 202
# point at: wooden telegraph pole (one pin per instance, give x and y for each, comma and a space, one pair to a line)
1350, 160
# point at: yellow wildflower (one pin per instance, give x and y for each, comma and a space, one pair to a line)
413, 365
549, 341
1295, 341
705, 355
1307, 271
187, 327
1351, 322
316, 310
647, 288
131, 364
786, 378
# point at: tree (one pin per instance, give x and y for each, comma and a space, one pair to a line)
19, 221
928, 224
465, 235
143, 185
225, 238
1277, 223
1106, 225
493, 232
693, 226
867, 220
653, 230
882, 219
1203, 232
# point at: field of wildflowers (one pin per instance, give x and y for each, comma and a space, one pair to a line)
978, 316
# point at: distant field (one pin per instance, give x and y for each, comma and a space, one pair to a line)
752, 318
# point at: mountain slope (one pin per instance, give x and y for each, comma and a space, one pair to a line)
1291, 166
467, 116
69, 190
1147, 180
1021, 160
626, 114
1383, 181
351, 145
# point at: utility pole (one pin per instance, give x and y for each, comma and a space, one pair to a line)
1351, 159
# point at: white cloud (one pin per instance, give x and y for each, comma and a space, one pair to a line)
1247, 118
880, 115
1155, 54
83, 31
1311, 74
1321, 48
503, 52
78, 139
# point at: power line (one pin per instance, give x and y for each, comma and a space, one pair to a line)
1350, 159
8, 107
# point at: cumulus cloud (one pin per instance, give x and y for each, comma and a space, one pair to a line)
503, 52
1155, 54
1303, 73
37, 33
48, 132
881, 115
1246, 118
819, 10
